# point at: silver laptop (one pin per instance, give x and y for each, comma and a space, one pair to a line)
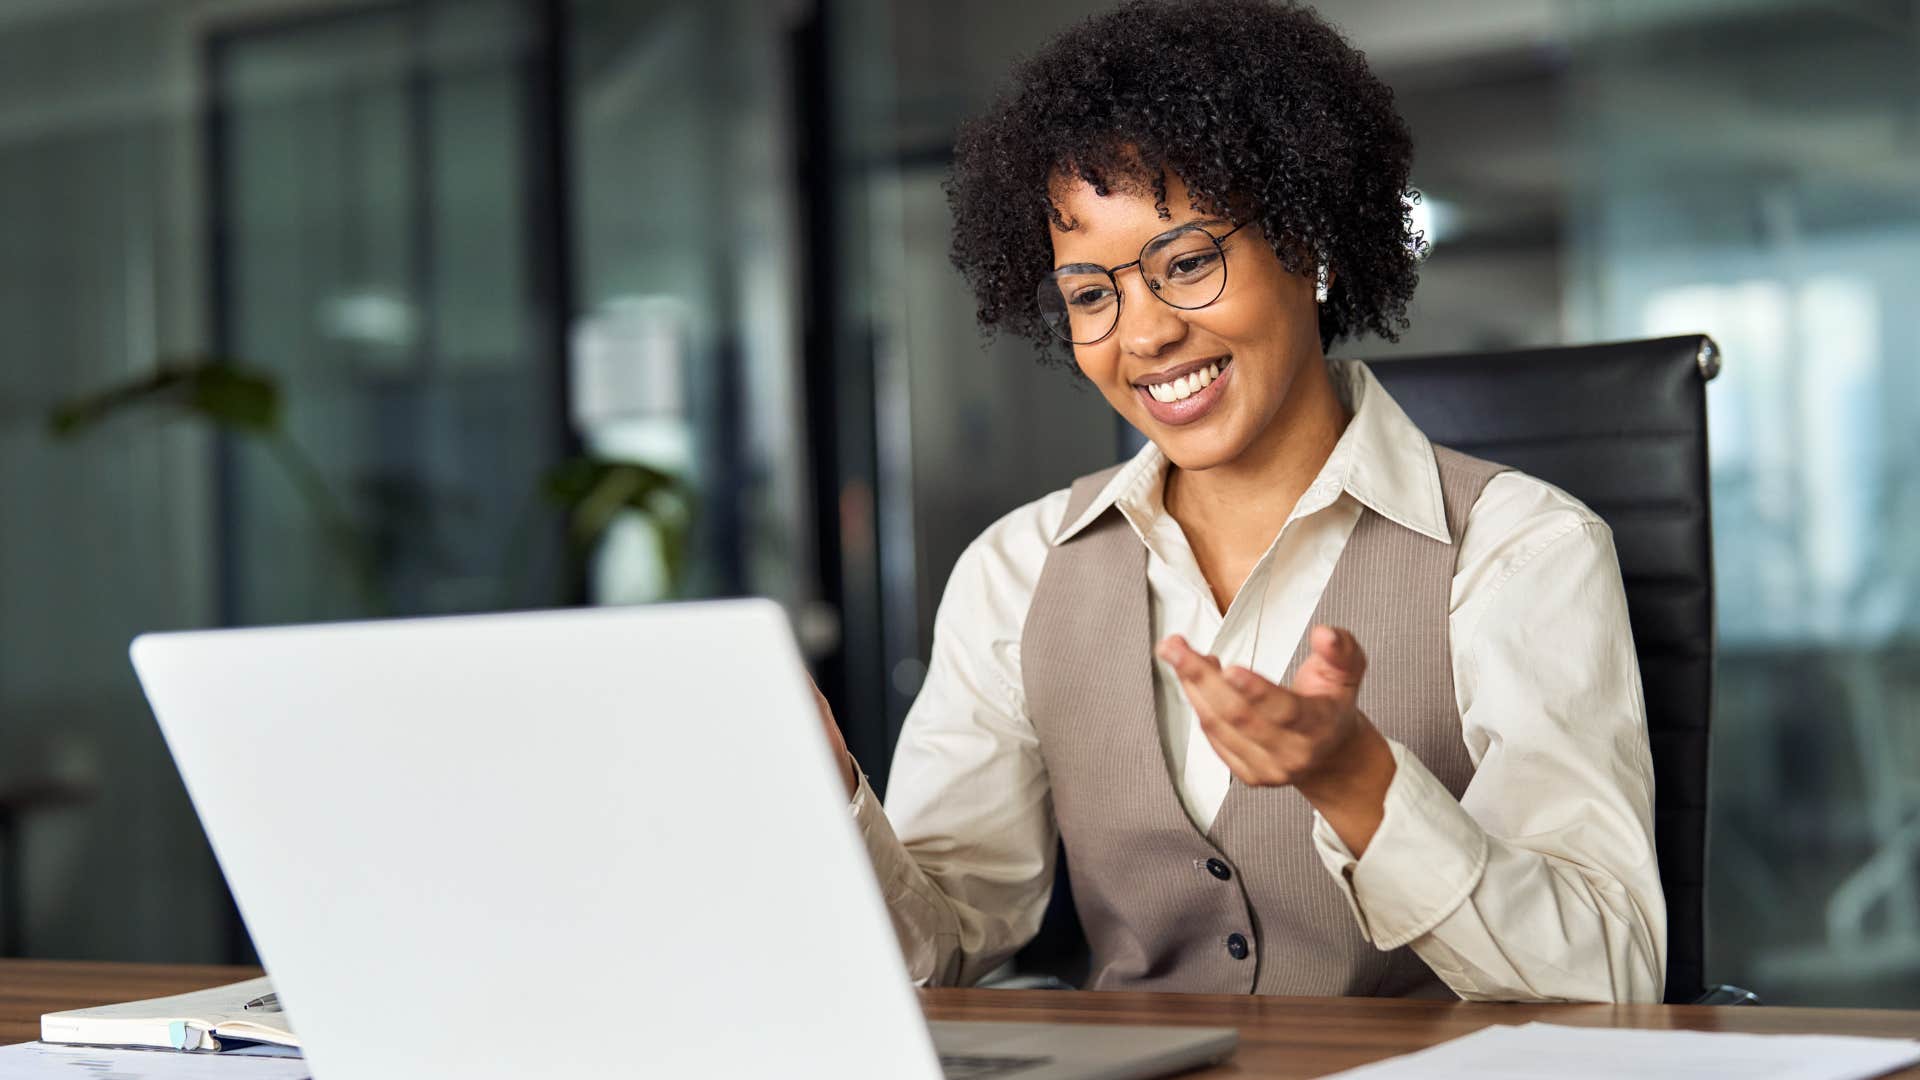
600, 843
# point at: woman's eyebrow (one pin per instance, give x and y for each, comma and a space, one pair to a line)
1213, 221
1200, 221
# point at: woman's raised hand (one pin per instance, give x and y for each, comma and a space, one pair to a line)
1310, 736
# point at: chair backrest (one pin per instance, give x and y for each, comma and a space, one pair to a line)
1621, 427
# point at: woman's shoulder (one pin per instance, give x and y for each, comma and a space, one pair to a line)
1008, 554
1517, 501
1519, 518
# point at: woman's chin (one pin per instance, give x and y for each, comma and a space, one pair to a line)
1197, 451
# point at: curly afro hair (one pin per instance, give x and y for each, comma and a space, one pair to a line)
1263, 110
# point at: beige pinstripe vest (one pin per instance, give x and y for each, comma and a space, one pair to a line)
1156, 916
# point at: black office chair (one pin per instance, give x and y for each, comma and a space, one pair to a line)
1623, 428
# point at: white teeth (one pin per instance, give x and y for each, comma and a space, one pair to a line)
1186, 386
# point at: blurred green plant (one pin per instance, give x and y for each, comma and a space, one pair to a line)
206, 387
230, 398
593, 493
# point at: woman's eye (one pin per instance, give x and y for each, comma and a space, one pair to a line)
1092, 296
1195, 265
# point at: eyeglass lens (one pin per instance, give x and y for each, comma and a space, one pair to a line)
1184, 268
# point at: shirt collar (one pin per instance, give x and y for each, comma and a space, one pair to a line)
1382, 460
1135, 489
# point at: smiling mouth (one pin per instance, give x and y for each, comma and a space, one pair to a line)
1181, 383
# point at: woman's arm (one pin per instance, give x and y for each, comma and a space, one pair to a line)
964, 850
1540, 882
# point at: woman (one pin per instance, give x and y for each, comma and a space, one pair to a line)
1317, 707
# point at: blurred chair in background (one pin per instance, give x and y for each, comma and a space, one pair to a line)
23, 795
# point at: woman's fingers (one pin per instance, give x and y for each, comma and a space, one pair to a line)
1175, 650
826, 717
1247, 681
1267, 733
835, 741
1271, 734
1333, 668
1235, 749
1206, 686
1274, 753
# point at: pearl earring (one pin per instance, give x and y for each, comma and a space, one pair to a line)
1320, 285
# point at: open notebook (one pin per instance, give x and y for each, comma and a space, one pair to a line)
213, 1019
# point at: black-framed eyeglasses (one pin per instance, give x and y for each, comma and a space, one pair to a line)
1184, 267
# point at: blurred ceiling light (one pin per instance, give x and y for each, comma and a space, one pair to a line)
371, 318
629, 359
1432, 218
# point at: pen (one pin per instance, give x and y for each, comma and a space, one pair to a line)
265, 1001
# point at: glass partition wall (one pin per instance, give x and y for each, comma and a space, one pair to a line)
1752, 170
686, 335
494, 253
384, 253
383, 307
108, 534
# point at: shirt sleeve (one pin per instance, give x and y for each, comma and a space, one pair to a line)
1540, 882
964, 849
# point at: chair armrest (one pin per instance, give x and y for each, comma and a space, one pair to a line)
1725, 994
1025, 982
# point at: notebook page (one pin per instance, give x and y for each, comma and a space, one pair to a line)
209, 1006
1575, 1053
43, 1061
146, 1021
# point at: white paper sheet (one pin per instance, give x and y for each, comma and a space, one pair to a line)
48, 1061
1575, 1053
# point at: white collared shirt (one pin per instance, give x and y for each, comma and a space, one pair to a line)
1539, 883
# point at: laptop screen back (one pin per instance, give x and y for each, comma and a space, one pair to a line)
591, 843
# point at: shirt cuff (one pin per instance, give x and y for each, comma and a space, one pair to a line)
1421, 865
863, 794
860, 790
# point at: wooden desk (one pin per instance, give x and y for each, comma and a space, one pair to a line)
1284, 1038
31, 987
1279, 1037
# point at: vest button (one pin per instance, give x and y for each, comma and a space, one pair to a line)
1237, 946
1219, 869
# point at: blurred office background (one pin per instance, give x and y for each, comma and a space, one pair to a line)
426, 306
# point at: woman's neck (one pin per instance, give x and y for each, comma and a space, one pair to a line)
1231, 512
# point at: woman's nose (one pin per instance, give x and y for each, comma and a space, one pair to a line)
1147, 326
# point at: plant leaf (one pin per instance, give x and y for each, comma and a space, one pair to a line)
594, 492
209, 388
